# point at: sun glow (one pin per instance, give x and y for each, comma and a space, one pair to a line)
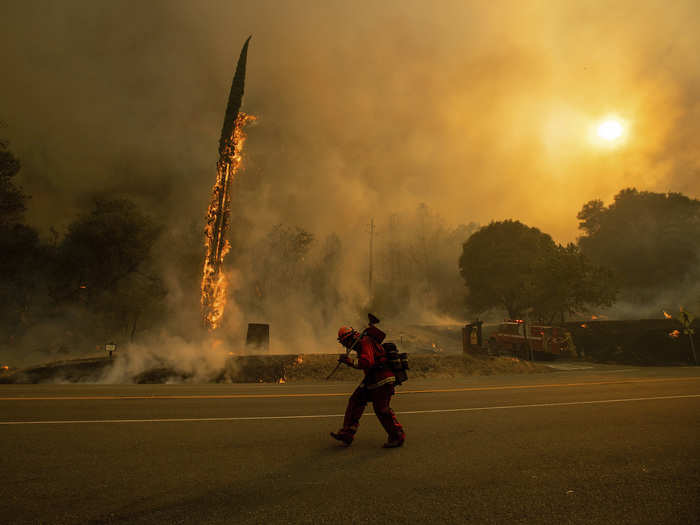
610, 130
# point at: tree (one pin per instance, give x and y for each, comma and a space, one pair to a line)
281, 263
12, 199
416, 265
104, 264
325, 276
501, 265
571, 284
650, 240
20, 264
512, 266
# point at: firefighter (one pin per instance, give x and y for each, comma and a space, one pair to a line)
377, 387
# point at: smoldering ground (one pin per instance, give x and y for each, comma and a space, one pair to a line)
365, 111
199, 362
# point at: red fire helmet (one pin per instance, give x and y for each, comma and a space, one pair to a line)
345, 334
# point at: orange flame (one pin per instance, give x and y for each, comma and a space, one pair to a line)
675, 334
667, 315
214, 280
584, 325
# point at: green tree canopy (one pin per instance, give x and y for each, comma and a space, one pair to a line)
516, 267
570, 283
502, 264
649, 240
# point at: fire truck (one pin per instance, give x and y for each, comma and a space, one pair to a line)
540, 342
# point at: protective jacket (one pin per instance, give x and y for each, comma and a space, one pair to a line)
371, 358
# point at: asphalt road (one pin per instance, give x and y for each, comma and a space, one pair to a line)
608, 445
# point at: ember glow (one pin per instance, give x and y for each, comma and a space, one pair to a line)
214, 281
675, 334
667, 315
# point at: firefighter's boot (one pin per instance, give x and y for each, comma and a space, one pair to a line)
344, 436
395, 441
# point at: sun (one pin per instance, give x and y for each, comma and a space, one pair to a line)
610, 130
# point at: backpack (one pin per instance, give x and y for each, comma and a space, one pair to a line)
396, 362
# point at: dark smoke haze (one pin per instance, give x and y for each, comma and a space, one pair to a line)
481, 110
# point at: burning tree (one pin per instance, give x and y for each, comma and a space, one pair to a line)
214, 282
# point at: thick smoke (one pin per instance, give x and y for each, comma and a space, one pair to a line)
365, 110
480, 111
199, 362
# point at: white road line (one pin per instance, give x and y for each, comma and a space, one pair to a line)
117, 397
617, 370
564, 403
318, 416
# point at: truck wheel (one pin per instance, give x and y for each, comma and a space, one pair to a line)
492, 347
523, 352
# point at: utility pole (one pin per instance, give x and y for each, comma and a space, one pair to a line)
394, 270
371, 254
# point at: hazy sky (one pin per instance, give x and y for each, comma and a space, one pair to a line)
483, 110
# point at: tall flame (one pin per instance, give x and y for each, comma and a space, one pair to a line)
214, 281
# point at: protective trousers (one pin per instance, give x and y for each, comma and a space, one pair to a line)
380, 397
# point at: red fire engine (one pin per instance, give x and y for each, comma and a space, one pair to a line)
541, 342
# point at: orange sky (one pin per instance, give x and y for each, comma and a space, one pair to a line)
483, 111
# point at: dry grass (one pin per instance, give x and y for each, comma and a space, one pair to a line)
308, 368
317, 367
